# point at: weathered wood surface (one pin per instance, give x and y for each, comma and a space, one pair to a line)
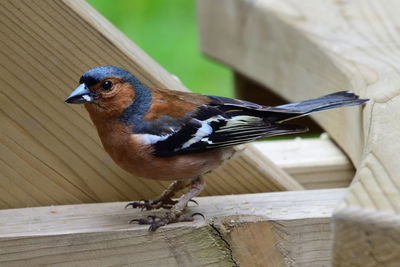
313, 162
262, 40
302, 49
273, 229
50, 151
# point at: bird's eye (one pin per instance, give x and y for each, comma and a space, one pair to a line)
107, 85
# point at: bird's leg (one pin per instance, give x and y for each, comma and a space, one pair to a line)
175, 214
162, 201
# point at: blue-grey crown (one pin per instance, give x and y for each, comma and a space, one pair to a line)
95, 75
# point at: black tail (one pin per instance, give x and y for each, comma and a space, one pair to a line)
335, 100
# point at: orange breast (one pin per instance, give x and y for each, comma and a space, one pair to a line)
138, 159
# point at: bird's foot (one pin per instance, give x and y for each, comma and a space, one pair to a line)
146, 204
175, 214
170, 217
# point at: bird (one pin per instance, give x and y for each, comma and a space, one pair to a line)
165, 134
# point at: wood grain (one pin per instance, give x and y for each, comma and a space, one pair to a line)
50, 151
313, 162
301, 49
262, 40
245, 230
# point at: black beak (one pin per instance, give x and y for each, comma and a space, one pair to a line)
80, 95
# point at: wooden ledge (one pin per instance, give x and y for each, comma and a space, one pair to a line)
241, 229
315, 163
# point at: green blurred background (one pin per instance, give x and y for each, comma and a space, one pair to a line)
166, 30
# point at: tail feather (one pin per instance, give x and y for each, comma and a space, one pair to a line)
335, 100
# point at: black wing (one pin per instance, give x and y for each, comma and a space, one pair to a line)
215, 126
228, 122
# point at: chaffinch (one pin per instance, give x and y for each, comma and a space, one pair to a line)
172, 135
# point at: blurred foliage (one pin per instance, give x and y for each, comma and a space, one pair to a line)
166, 30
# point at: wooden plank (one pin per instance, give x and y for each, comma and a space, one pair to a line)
302, 49
291, 228
50, 151
261, 40
313, 162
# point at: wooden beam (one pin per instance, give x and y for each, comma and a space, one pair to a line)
50, 151
302, 49
262, 40
313, 162
250, 230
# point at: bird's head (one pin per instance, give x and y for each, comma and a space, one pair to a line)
106, 89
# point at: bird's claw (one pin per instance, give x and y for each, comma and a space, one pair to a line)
146, 204
157, 221
154, 221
